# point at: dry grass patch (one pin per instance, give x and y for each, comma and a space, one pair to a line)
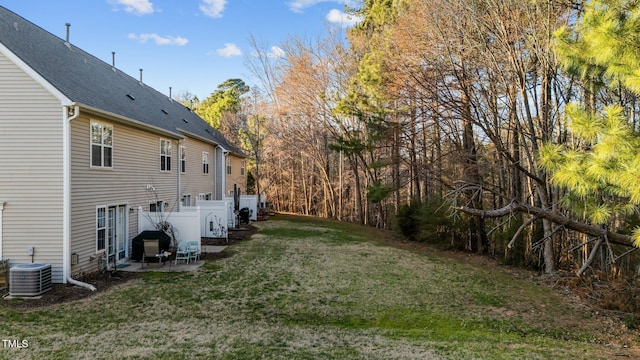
302, 288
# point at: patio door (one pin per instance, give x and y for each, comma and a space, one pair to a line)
116, 234
121, 231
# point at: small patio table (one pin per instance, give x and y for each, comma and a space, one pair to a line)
164, 257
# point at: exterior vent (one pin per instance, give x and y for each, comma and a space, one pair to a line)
29, 279
130, 97
185, 121
165, 112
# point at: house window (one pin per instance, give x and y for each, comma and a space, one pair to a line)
165, 155
183, 159
242, 168
228, 166
186, 200
101, 145
203, 196
158, 206
101, 228
205, 162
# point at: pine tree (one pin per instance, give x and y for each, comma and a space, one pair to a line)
601, 168
224, 100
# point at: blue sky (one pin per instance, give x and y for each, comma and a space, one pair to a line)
189, 45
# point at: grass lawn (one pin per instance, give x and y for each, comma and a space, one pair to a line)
304, 288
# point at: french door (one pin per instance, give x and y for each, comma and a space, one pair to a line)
116, 233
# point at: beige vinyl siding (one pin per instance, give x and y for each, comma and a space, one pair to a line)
136, 164
193, 181
235, 177
31, 173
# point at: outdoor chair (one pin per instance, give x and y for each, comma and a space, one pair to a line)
151, 250
183, 252
194, 250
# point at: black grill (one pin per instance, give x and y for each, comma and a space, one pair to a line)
137, 245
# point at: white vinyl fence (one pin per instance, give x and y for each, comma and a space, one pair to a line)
214, 218
185, 223
231, 215
251, 202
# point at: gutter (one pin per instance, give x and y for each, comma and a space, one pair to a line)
203, 139
131, 122
69, 113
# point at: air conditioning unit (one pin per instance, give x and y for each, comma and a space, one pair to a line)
29, 279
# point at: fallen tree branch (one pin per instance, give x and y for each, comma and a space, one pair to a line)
555, 217
520, 229
592, 255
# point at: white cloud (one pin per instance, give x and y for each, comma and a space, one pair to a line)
342, 18
229, 50
138, 7
159, 40
213, 8
276, 52
299, 5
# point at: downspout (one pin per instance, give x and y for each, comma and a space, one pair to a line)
1, 210
225, 153
216, 159
69, 114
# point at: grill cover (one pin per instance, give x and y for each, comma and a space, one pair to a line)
137, 245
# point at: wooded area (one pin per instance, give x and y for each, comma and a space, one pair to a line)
503, 127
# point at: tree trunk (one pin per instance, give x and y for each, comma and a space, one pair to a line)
358, 191
478, 236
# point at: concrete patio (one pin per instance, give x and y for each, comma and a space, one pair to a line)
170, 265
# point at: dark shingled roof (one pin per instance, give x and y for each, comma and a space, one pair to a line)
91, 82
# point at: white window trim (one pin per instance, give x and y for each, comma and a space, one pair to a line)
205, 155
102, 146
105, 228
183, 158
127, 210
159, 205
169, 155
183, 198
